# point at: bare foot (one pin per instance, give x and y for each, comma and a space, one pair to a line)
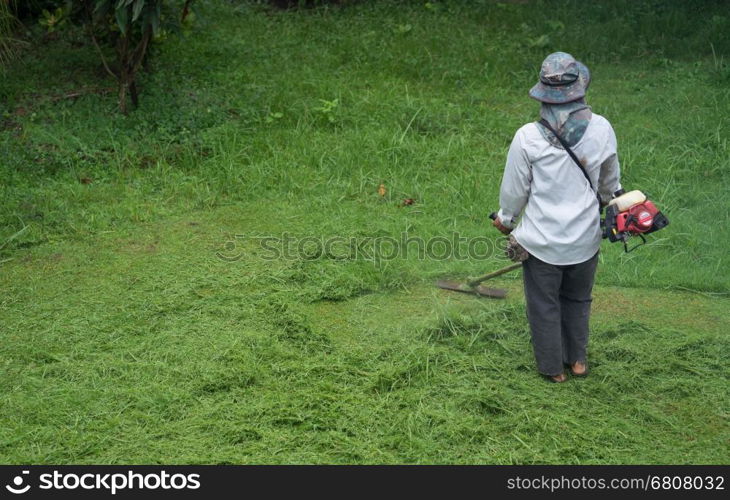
558, 379
579, 369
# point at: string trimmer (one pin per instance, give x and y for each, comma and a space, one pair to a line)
627, 214
474, 285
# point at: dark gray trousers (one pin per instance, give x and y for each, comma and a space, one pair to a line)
558, 308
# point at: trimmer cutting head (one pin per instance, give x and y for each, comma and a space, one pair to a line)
474, 286
480, 290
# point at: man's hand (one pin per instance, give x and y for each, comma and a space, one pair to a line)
502, 229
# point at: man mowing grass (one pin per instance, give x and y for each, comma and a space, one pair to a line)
553, 168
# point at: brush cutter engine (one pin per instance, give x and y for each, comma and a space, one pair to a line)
631, 214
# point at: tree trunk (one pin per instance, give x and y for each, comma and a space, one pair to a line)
123, 59
133, 92
133, 61
122, 96
185, 10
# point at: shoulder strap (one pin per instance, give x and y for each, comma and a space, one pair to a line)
547, 125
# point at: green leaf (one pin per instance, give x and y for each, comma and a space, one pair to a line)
122, 15
155, 18
102, 9
137, 9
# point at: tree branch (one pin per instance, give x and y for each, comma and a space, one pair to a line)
185, 11
101, 54
141, 50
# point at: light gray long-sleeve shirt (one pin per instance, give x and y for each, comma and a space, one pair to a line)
560, 217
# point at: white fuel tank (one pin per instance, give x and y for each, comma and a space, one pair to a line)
627, 200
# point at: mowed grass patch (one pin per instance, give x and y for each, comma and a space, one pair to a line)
179, 356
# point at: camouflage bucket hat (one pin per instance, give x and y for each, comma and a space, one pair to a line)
562, 79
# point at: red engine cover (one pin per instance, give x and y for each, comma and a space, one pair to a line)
637, 219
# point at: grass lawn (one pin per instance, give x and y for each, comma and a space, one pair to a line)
141, 322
